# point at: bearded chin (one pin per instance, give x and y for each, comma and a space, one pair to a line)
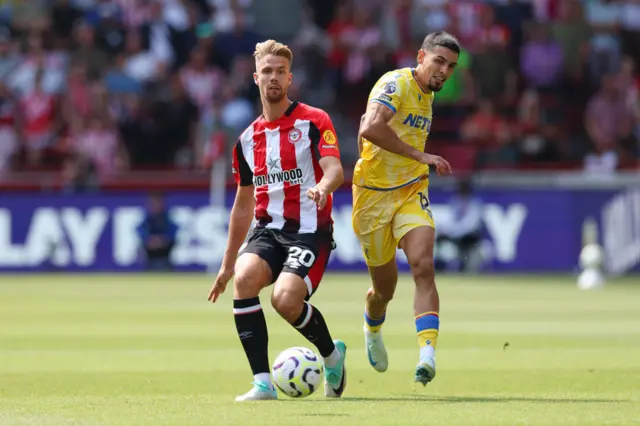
274, 99
435, 88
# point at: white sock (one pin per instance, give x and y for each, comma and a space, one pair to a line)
333, 359
427, 352
262, 378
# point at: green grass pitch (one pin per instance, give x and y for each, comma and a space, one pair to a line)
149, 350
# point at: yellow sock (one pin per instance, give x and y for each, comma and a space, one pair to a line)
427, 326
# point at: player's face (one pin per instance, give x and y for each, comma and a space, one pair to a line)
273, 77
437, 65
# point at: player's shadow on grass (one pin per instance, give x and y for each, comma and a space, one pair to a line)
466, 399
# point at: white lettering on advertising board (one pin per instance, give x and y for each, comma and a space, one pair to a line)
68, 236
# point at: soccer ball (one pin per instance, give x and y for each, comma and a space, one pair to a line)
297, 372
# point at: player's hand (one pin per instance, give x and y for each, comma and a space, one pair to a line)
442, 166
220, 285
319, 196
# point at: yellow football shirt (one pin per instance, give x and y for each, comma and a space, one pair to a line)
412, 106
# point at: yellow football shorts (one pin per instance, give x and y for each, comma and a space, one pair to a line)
381, 218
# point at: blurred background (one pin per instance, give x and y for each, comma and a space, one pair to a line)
117, 118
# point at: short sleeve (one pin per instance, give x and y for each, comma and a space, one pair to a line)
241, 171
323, 135
388, 91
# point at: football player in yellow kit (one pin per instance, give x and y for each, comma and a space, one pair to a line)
390, 195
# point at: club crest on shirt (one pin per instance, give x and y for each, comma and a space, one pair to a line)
389, 87
295, 135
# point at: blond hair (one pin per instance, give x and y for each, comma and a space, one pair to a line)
272, 47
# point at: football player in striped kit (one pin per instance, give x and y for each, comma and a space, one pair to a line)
287, 165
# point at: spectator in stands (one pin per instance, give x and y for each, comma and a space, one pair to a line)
514, 15
460, 87
118, 81
542, 61
362, 40
187, 38
608, 121
88, 54
493, 75
63, 16
136, 49
39, 111
98, 142
158, 37
490, 132
9, 59
110, 33
142, 65
537, 129
182, 117
238, 40
30, 15
572, 34
201, 81
76, 101
338, 51
428, 16
53, 64
78, 174
311, 46
630, 17
9, 127
629, 86
157, 233
464, 229
604, 18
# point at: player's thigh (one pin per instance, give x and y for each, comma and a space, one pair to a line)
304, 267
378, 247
414, 213
372, 215
418, 244
371, 209
259, 263
414, 227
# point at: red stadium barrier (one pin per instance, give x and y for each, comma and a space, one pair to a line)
462, 160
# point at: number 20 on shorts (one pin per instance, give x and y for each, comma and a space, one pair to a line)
300, 256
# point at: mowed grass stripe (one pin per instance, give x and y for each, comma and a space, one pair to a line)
135, 350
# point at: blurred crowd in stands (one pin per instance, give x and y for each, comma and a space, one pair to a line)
94, 88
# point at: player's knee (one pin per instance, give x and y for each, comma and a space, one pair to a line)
422, 269
246, 286
287, 303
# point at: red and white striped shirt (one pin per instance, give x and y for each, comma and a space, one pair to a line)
281, 159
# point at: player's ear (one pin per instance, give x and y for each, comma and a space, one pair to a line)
255, 78
421, 56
